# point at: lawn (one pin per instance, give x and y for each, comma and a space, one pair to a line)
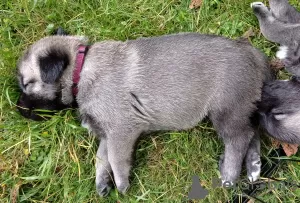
53, 161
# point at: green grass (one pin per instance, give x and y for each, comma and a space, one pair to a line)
53, 161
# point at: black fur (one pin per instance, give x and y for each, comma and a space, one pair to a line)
29, 107
52, 65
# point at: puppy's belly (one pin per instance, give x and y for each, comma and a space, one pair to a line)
177, 118
173, 110
174, 125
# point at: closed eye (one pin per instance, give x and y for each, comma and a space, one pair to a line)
28, 83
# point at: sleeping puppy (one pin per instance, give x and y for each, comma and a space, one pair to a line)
279, 110
286, 34
162, 83
283, 11
29, 107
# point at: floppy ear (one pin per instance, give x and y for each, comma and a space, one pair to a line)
52, 65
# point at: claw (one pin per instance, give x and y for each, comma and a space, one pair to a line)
103, 190
123, 188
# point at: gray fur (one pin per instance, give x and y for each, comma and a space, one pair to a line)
274, 29
162, 83
283, 11
279, 110
286, 34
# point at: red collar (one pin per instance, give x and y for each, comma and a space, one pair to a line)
82, 50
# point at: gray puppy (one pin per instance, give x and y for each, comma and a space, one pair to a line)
162, 83
279, 110
286, 34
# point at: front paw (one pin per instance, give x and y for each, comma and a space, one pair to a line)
123, 187
260, 10
253, 170
229, 175
226, 180
103, 189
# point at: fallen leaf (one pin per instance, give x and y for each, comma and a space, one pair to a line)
249, 33
290, 149
195, 4
276, 64
251, 201
275, 143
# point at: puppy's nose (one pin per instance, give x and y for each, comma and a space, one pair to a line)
25, 108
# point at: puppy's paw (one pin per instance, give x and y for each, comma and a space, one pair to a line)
260, 10
253, 170
103, 189
228, 175
253, 165
123, 187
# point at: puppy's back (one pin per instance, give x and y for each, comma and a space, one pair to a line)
198, 73
172, 81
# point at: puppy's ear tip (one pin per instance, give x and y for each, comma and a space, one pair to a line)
60, 31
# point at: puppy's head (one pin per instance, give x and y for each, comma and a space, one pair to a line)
41, 71
279, 110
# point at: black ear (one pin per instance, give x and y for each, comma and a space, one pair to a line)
52, 65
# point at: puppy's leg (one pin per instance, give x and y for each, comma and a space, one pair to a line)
236, 134
103, 169
252, 159
287, 35
266, 21
284, 12
273, 29
120, 145
279, 9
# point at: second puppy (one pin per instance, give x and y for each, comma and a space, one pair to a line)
279, 109
286, 34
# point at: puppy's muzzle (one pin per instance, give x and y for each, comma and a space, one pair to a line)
39, 109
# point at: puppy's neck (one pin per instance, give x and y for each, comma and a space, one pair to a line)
66, 81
